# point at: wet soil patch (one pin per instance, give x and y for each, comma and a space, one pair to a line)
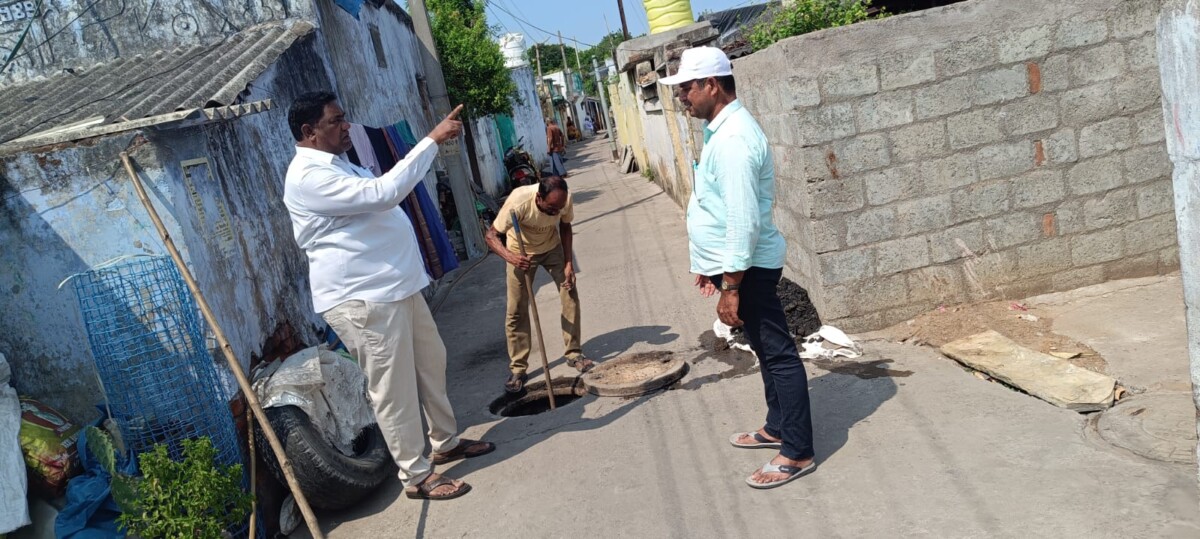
535, 399
802, 317
741, 363
865, 370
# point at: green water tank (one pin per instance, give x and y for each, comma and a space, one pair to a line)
668, 14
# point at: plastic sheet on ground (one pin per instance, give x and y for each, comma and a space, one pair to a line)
827, 343
90, 512
328, 386
14, 511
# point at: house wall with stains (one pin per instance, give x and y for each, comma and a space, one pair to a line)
528, 119
62, 212
68, 33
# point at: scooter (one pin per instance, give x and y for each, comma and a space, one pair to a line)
520, 166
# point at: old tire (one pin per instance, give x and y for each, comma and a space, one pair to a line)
329, 479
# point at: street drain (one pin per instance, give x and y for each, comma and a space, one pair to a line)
536, 400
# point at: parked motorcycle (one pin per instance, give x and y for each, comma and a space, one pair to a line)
520, 166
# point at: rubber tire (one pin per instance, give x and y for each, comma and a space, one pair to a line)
329, 479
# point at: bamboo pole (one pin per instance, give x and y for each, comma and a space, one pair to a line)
235, 366
253, 474
537, 322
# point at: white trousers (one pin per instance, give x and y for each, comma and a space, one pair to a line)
399, 348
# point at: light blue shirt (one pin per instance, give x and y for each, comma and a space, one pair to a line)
729, 219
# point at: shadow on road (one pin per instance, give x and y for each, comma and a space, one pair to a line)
615, 343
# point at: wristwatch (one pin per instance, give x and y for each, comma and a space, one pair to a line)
726, 286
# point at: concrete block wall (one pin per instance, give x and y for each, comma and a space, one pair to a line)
993, 149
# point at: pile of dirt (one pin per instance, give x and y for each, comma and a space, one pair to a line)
1026, 325
802, 317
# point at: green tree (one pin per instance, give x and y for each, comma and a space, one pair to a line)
472, 62
603, 53
551, 56
805, 16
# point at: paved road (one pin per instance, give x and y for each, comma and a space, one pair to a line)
908, 443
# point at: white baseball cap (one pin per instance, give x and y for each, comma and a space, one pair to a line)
700, 63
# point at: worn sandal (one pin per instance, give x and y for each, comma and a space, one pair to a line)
464, 450
424, 491
581, 363
793, 472
761, 442
515, 383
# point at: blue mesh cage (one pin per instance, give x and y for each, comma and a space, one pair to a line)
148, 341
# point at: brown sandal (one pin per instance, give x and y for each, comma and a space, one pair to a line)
581, 363
424, 491
464, 450
515, 383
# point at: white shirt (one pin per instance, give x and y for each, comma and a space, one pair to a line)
360, 244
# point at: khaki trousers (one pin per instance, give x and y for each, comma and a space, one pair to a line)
517, 321
399, 348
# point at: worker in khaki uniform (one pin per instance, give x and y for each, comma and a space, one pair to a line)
544, 214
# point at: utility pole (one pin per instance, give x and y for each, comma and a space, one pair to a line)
609, 30
537, 52
451, 152
624, 25
608, 127
578, 67
567, 81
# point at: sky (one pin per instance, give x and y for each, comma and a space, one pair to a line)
580, 19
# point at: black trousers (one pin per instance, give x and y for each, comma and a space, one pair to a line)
789, 416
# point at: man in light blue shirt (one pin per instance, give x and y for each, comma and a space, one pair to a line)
735, 246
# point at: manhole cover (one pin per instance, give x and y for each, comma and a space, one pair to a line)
535, 399
1159, 426
635, 374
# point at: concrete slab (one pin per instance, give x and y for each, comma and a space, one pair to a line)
1137, 325
1046, 377
909, 444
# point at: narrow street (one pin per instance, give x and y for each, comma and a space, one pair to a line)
909, 444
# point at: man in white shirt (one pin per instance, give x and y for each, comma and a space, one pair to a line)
366, 276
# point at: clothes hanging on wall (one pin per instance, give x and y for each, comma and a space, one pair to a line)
385, 148
367, 160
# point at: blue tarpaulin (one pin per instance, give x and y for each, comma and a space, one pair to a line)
90, 512
351, 6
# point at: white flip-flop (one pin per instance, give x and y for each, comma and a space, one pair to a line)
761, 442
793, 472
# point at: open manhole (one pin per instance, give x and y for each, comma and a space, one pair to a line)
535, 399
635, 374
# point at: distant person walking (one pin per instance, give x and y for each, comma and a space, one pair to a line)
735, 247
557, 142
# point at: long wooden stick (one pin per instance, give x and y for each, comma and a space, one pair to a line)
537, 322
253, 474
234, 365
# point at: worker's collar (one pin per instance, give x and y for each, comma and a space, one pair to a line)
725, 113
315, 155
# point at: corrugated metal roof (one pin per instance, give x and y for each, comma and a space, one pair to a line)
129, 89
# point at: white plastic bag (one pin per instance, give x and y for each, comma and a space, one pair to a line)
331, 389
14, 510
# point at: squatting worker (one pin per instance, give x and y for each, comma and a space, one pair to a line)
557, 142
735, 247
366, 275
544, 213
